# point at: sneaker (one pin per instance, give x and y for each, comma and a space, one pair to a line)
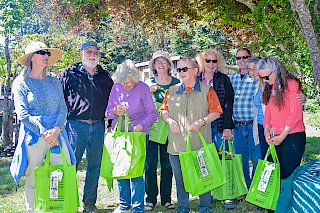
90, 208
118, 210
228, 204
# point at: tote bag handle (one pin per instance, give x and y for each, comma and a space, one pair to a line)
203, 141
272, 150
47, 160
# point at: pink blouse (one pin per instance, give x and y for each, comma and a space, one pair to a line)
289, 115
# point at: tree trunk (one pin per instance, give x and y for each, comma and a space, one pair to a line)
310, 36
7, 106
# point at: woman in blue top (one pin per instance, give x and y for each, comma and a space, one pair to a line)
161, 66
40, 106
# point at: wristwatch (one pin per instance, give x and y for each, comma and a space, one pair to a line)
203, 121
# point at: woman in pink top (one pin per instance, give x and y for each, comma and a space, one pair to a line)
283, 121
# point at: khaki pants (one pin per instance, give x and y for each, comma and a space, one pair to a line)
35, 155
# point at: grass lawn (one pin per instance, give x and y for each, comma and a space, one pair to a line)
13, 201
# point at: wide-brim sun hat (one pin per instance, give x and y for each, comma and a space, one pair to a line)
158, 54
33, 47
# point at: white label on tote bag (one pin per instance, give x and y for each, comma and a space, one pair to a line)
202, 164
265, 177
55, 178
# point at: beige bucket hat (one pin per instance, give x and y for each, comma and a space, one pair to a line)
33, 47
157, 54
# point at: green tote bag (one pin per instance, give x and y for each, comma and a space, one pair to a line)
124, 153
52, 194
232, 167
265, 187
159, 130
201, 169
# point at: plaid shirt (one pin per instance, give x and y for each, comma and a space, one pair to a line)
243, 96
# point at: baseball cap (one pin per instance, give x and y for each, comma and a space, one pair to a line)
88, 44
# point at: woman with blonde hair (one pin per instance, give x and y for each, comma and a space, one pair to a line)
212, 64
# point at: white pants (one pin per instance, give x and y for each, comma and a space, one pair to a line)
36, 154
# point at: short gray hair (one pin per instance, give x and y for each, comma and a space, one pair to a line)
254, 60
126, 70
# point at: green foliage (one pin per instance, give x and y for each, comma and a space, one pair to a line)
12, 12
312, 106
189, 40
281, 36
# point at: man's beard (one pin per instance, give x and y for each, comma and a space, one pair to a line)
88, 63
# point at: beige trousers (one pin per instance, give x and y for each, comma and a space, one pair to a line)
36, 154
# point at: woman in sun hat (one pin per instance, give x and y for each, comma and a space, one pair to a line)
161, 66
40, 106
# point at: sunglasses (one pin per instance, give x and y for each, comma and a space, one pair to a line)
213, 61
43, 52
267, 78
183, 69
243, 57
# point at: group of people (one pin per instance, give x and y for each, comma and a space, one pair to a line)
259, 105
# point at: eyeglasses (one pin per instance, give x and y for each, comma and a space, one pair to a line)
43, 52
213, 61
158, 62
243, 57
183, 69
90, 52
267, 78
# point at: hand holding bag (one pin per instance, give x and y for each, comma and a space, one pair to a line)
265, 187
201, 169
232, 167
124, 153
52, 194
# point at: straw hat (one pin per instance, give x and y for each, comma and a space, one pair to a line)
33, 47
158, 54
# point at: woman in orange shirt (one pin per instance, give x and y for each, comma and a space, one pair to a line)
283, 121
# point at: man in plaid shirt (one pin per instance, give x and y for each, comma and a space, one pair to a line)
244, 88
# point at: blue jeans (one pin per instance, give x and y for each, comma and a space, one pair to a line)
244, 144
217, 136
89, 137
133, 194
182, 195
263, 143
151, 184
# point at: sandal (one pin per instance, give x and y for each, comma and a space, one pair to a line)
169, 205
228, 204
149, 207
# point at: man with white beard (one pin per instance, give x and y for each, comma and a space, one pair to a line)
86, 87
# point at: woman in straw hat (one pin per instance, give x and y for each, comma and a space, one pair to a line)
161, 66
40, 106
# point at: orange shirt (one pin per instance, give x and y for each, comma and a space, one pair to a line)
213, 101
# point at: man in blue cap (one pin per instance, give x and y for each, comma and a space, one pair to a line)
86, 88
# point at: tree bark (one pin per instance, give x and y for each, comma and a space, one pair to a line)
7, 106
310, 36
